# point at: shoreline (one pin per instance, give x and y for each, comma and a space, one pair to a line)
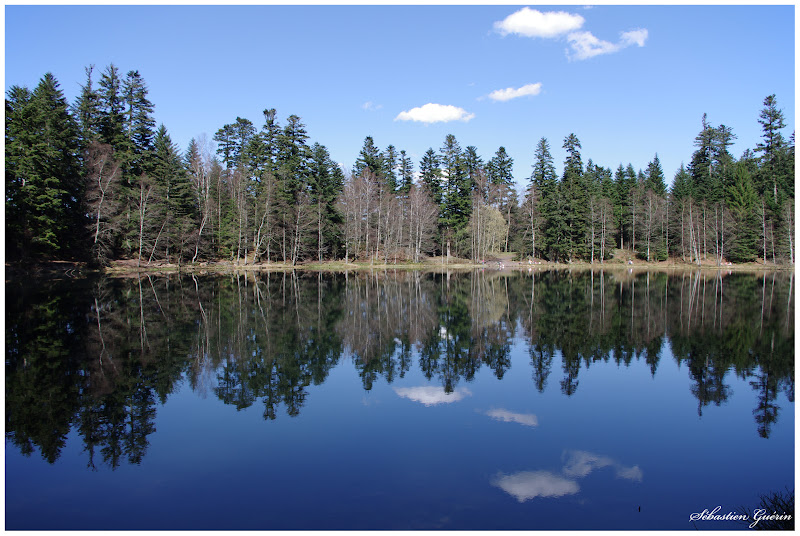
121, 268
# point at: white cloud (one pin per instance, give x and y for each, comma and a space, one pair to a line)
532, 23
530, 484
527, 485
435, 113
634, 37
512, 93
526, 419
581, 463
371, 106
630, 473
430, 395
585, 45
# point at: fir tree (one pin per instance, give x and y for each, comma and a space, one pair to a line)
138, 122
175, 191
742, 200
370, 159
576, 199
389, 159
43, 181
545, 181
406, 173
86, 111
431, 175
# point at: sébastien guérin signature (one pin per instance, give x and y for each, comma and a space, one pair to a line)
758, 515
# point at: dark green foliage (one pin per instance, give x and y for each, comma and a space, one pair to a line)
575, 193
43, 182
86, 111
545, 181
742, 200
232, 140
390, 163
499, 170
138, 123
473, 163
456, 202
112, 106
370, 159
261, 205
177, 194
431, 175
700, 167
655, 177
326, 181
293, 157
772, 149
406, 173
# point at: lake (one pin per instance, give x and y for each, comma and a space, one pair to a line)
398, 400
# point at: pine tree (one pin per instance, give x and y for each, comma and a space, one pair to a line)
473, 163
771, 148
576, 199
176, 192
705, 187
501, 178
742, 200
545, 181
326, 181
406, 173
86, 111
112, 105
431, 175
389, 158
43, 181
139, 124
369, 158
655, 177
457, 201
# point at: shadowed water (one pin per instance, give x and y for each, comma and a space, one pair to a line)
397, 400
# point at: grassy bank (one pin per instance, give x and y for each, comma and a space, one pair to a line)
501, 262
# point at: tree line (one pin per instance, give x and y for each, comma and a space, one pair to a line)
96, 180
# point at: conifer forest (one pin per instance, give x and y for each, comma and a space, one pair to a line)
97, 181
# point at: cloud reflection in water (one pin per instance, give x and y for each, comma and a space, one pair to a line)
430, 395
526, 485
526, 419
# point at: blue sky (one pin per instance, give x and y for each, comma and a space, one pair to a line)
629, 81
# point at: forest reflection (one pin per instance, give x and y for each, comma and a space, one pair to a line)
98, 356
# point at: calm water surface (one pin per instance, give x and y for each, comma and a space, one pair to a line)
481, 400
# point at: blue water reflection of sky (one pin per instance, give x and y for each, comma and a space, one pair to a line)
627, 450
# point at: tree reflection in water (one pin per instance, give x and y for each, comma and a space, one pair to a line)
100, 355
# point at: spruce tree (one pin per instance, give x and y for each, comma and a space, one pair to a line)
369, 158
742, 200
326, 182
545, 181
43, 180
175, 192
457, 202
406, 172
112, 105
86, 111
655, 177
139, 124
389, 159
431, 175
771, 148
576, 199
